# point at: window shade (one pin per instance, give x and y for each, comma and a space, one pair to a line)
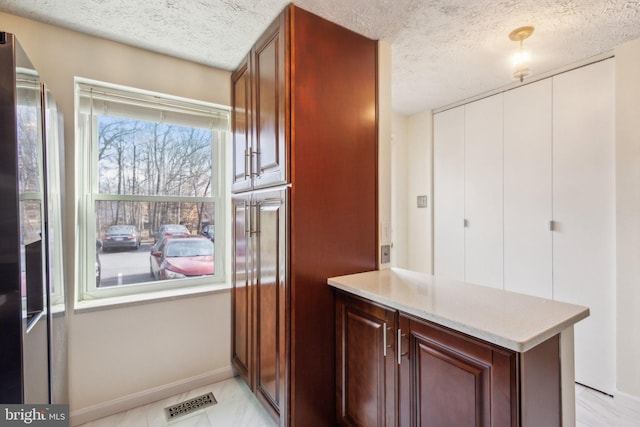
104, 100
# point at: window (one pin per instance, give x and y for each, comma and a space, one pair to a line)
149, 170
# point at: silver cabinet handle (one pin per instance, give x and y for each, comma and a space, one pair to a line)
384, 340
247, 164
399, 346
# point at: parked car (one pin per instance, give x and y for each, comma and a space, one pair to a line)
121, 236
171, 230
209, 232
180, 257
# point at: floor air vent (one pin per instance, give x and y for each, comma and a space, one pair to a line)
189, 406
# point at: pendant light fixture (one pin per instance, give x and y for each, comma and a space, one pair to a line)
522, 57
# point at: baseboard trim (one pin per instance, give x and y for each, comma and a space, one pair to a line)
101, 410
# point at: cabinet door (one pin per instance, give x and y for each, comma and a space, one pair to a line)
452, 380
527, 189
366, 363
269, 62
242, 291
448, 175
241, 127
483, 192
269, 231
584, 213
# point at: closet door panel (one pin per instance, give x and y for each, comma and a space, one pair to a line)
527, 189
448, 170
483, 191
584, 214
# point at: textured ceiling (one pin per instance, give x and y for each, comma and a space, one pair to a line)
442, 50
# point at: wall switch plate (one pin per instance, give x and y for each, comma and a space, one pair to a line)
422, 201
385, 254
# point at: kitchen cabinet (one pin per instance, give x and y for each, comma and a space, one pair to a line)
242, 291
241, 127
259, 294
305, 205
439, 377
457, 354
450, 379
366, 363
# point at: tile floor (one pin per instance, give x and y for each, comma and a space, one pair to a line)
594, 409
237, 407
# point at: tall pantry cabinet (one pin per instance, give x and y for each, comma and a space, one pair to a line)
304, 122
540, 158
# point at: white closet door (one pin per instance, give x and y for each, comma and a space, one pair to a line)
584, 212
483, 192
527, 189
448, 172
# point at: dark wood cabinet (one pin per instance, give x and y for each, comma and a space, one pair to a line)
269, 229
269, 165
434, 376
242, 291
305, 185
366, 363
241, 127
449, 379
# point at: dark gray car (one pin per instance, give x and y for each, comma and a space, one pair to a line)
121, 237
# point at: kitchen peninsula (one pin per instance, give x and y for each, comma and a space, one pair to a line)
414, 349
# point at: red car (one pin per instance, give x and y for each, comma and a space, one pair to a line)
181, 257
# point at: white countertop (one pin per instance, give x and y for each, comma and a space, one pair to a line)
515, 321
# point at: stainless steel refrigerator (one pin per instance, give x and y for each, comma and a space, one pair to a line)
31, 276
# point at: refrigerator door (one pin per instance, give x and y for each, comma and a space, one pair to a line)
24, 377
35, 325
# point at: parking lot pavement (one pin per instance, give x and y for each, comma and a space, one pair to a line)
125, 267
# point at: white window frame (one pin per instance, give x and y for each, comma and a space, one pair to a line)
87, 192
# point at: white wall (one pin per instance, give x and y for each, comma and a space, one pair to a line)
628, 216
411, 177
385, 128
138, 348
399, 190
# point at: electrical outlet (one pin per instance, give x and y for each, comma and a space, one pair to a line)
422, 201
385, 254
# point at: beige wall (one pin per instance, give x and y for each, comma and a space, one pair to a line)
628, 216
130, 350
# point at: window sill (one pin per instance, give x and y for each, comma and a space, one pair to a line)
88, 306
